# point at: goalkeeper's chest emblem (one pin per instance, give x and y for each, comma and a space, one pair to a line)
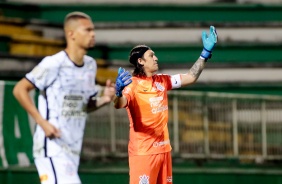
159, 86
144, 179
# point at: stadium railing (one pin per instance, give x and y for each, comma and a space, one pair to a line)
202, 125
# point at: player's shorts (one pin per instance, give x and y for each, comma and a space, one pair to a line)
57, 170
151, 169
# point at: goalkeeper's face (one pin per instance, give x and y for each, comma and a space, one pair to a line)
84, 35
150, 62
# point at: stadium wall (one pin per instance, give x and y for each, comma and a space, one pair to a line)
160, 15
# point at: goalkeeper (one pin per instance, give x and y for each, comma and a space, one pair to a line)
144, 95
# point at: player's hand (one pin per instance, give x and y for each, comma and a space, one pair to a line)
122, 80
209, 42
50, 130
109, 91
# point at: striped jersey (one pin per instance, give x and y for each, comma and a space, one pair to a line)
65, 89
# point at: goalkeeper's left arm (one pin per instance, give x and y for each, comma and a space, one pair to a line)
209, 43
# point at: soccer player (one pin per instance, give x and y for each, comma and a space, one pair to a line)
66, 82
145, 98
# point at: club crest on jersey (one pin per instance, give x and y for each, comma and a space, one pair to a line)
159, 86
144, 179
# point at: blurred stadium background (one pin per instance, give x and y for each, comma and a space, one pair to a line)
225, 128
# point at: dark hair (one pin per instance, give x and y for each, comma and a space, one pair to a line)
136, 53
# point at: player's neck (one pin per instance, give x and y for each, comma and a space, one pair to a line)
76, 55
149, 74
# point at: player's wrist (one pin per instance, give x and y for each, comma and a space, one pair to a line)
119, 94
205, 54
40, 120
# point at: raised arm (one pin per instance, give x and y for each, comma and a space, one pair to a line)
123, 79
97, 102
209, 43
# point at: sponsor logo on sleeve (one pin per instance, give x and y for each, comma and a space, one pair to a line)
159, 86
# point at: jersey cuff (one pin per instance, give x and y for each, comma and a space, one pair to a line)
32, 83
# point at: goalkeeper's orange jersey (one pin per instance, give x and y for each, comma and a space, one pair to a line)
147, 110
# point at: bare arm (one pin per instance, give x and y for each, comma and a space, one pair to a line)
21, 93
209, 42
108, 95
194, 73
120, 102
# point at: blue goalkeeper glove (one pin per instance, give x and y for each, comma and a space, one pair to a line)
208, 42
122, 80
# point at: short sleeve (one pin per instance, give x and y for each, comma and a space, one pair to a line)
45, 73
165, 80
